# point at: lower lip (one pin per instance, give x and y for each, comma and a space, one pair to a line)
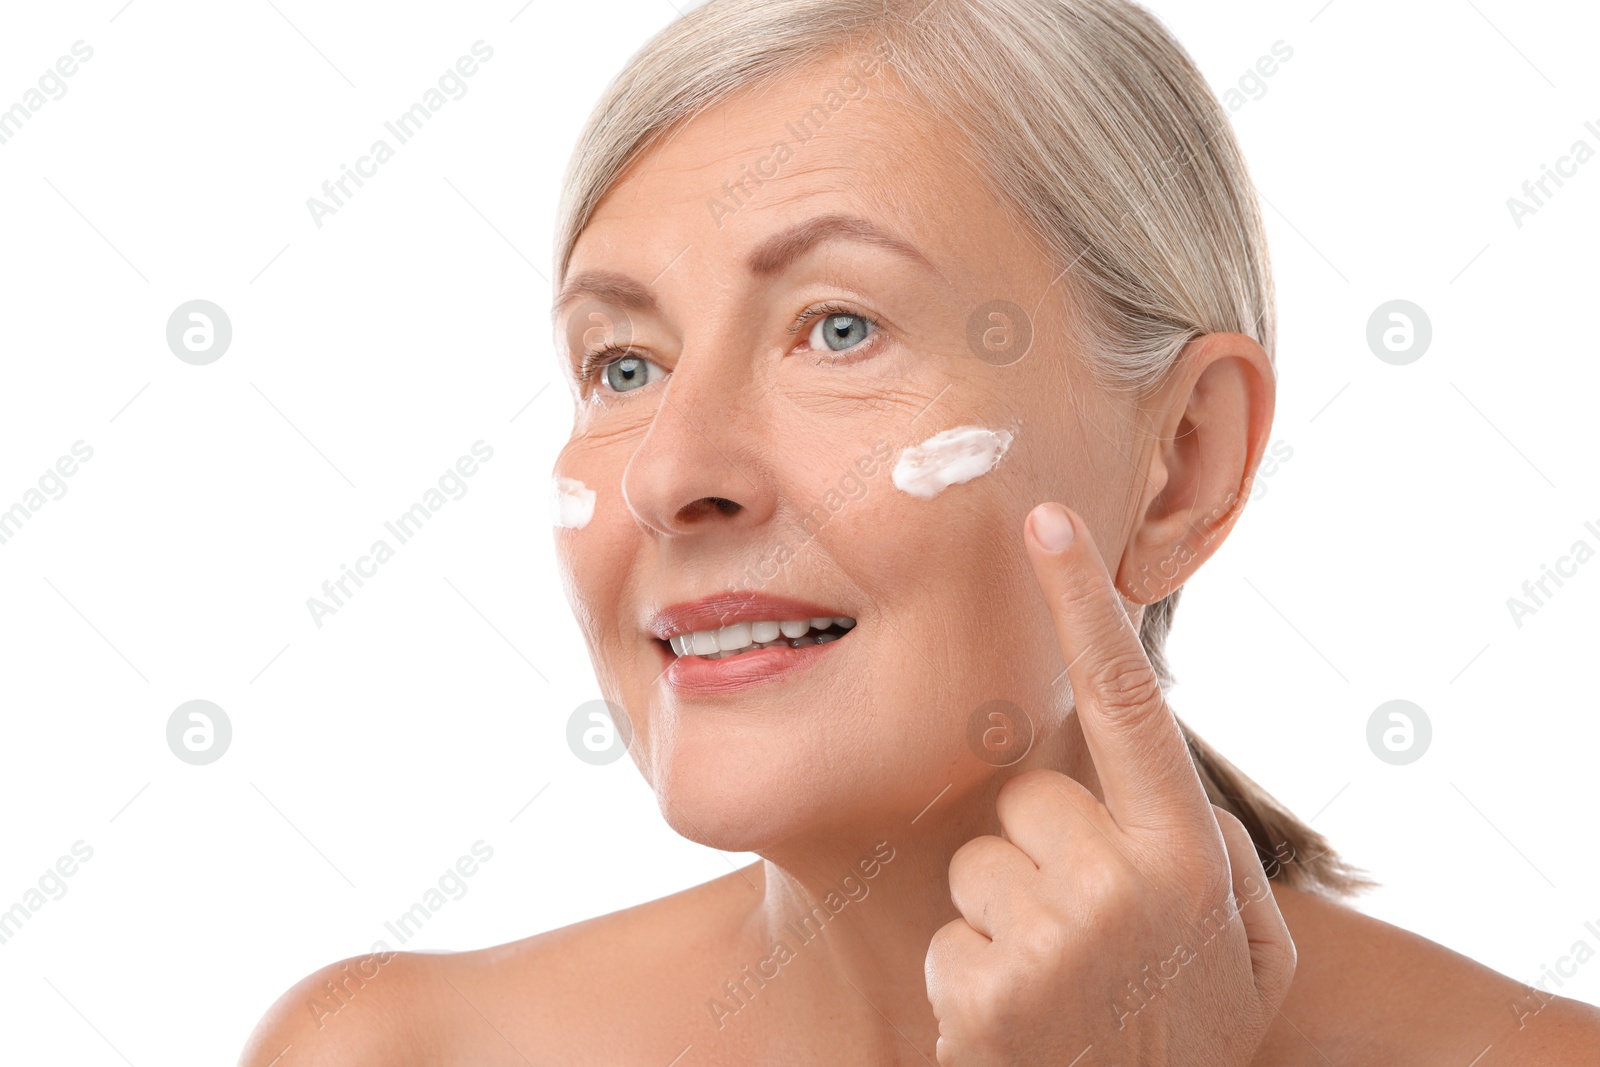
695, 674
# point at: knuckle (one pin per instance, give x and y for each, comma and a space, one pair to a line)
941, 946
974, 857
1033, 794
1040, 942
1212, 917
1287, 960
1109, 887
986, 1002
1125, 686
1204, 883
1036, 780
1208, 878
1279, 960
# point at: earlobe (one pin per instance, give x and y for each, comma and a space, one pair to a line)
1210, 423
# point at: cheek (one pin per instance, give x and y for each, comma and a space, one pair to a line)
589, 523
571, 503
951, 457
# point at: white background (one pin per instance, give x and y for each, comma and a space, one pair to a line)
368, 354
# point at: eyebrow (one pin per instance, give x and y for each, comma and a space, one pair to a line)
770, 257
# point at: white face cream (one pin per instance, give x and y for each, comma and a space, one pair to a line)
950, 458
571, 503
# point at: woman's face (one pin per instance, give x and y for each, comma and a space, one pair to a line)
791, 337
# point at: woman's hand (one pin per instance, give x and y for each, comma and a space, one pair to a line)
1141, 930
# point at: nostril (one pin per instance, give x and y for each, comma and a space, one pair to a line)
703, 508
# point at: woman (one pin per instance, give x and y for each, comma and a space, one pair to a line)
854, 295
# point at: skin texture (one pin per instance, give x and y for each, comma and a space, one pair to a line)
1100, 844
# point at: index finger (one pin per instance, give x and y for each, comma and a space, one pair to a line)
1138, 749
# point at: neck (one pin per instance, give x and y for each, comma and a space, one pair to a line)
858, 905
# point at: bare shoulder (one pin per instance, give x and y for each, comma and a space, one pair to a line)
1370, 992
532, 1001
623, 987
356, 1011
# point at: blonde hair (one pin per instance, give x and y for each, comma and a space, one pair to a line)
1095, 126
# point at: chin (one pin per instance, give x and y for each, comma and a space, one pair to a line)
736, 793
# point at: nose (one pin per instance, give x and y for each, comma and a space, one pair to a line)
700, 466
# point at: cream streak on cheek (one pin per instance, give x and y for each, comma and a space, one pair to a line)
949, 458
571, 503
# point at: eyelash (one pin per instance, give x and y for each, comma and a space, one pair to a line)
819, 310
593, 363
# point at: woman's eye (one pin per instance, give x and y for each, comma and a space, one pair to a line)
838, 332
629, 373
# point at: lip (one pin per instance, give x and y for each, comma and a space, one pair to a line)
695, 674
725, 609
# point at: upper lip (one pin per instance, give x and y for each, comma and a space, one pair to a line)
724, 609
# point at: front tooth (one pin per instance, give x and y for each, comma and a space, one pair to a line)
762, 632
794, 629
733, 637
702, 642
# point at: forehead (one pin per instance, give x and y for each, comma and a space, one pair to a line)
826, 140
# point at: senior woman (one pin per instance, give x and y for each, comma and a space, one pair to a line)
921, 352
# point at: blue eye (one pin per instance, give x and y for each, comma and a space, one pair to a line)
840, 331
621, 374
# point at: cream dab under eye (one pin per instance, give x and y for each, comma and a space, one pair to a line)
950, 458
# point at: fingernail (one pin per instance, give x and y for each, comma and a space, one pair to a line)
1052, 527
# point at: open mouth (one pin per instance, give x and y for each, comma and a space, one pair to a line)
742, 637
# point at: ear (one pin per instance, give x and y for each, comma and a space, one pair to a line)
1210, 421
